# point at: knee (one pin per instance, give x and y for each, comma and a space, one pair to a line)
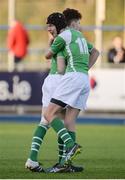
48, 116
44, 121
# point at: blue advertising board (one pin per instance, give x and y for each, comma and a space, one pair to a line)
21, 88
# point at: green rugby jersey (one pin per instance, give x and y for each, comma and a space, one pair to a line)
76, 50
53, 69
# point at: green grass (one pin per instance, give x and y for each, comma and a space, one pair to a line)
103, 153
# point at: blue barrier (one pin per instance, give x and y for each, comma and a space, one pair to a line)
19, 88
80, 120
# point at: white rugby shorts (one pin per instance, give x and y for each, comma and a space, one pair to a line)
73, 90
50, 84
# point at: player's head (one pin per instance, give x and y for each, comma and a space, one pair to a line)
73, 18
58, 20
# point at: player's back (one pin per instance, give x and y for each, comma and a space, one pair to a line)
76, 51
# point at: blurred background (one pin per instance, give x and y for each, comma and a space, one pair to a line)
103, 20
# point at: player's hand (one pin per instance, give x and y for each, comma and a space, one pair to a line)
51, 39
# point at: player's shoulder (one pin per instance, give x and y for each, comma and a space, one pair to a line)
67, 30
66, 34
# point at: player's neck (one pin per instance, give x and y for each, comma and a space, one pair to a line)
62, 30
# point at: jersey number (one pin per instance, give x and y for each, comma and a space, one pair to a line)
82, 45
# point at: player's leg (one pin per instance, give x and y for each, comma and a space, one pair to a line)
69, 114
51, 116
69, 117
61, 145
37, 140
70, 124
42, 128
72, 114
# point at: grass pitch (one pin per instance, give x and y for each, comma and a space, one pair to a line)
103, 153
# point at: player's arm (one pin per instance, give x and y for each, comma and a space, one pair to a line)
50, 41
49, 54
61, 65
94, 53
93, 57
57, 46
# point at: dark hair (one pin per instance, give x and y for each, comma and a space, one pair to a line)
57, 19
71, 14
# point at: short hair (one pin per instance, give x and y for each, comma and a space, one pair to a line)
71, 14
57, 19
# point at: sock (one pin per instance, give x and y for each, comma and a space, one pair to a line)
62, 149
61, 131
61, 145
73, 135
37, 141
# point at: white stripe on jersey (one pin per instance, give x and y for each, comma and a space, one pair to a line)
67, 36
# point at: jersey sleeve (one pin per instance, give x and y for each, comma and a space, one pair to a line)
90, 47
58, 45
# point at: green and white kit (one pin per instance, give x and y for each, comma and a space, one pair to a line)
51, 81
74, 87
